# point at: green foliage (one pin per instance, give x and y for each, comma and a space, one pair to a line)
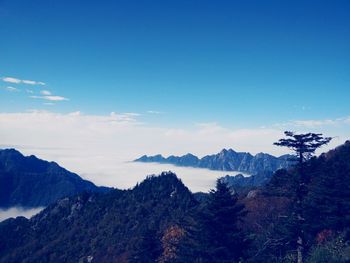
325, 205
160, 220
145, 248
304, 145
116, 226
336, 250
227, 241
215, 236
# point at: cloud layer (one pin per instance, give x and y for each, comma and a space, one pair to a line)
24, 81
18, 211
99, 146
12, 89
50, 97
44, 94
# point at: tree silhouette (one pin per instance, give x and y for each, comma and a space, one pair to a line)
214, 234
227, 240
304, 145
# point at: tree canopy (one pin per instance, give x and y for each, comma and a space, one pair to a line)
304, 145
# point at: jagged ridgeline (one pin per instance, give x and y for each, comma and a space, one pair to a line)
226, 160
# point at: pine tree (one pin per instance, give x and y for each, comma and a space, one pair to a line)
193, 245
147, 248
304, 145
327, 205
212, 233
227, 241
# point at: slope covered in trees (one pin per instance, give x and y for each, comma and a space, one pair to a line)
160, 220
325, 210
115, 226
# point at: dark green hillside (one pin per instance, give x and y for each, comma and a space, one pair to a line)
107, 226
325, 210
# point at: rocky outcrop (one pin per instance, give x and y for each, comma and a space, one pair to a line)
226, 160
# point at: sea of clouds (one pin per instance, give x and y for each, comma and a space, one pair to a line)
18, 211
100, 147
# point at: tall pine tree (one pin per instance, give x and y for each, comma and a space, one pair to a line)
227, 241
212, 233
304, 146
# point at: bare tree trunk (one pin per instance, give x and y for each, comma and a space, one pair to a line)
300, 218
300, 250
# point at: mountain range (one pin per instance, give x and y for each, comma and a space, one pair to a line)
226, 160
121, 225
31, 182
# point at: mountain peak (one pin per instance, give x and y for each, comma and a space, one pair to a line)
189, 155
165, 179
30, 181
225, 152
225, 160
10, 152
165, 185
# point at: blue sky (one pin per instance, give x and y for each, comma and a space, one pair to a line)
95, 84
238, 63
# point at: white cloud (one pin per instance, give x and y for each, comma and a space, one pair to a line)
55, 98
50, 98
154, 112
18, 81
98, 147
13, 212
45, 92
125, 117
316, 123
29, 91
313, 123
30, 82
75, 113
12, 89
11, 80
132, 114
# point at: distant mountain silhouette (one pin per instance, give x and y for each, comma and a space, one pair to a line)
226, 160
31, 182
244, 183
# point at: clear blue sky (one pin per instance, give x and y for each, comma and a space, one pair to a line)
238, 63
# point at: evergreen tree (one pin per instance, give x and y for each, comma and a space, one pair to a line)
227, 241
193, 245
304, 145
327, 205
146, 248
212, 232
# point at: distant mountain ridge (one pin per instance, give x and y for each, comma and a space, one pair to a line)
31, 182
226, 160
